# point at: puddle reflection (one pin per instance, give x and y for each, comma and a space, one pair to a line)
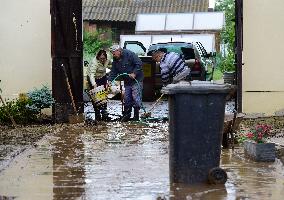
68, 166
126, 161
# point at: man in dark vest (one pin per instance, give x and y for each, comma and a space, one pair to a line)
128, 67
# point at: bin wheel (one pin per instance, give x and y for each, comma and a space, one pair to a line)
217, 176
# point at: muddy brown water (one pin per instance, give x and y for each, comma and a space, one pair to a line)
125, 161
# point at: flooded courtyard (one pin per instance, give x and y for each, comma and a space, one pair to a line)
125, 161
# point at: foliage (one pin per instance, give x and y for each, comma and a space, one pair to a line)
18, 110
258, 133
40, 99
217, 74
228, 34
25, 109
93, 42
225, 64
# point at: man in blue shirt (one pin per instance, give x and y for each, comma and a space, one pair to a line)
126, 62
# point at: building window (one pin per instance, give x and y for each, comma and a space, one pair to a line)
116, 32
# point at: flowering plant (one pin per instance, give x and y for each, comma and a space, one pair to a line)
257, 133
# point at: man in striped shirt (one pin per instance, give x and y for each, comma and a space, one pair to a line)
173, 68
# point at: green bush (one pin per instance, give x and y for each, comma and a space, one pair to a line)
25, 110
217, 74
40, 99
225, 63
93, 42
18, 110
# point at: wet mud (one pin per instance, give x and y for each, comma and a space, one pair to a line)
114, 160
14, 141
125, 161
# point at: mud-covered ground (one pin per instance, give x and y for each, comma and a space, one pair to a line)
13, 141
114, 160
124, 161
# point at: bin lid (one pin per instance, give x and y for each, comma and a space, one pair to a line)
197, 87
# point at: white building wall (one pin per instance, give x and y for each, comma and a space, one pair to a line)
25, 46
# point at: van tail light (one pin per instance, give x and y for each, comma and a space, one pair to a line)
197, 66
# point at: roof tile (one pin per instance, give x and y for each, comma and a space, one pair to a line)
126, 10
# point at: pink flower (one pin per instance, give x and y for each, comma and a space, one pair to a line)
258, 132
249, 135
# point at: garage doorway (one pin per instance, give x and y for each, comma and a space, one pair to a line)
67, 50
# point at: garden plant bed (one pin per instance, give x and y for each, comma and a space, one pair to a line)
277, 132
260, 152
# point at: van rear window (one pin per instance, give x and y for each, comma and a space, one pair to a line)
184, 49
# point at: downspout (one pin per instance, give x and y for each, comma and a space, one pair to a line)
238, 52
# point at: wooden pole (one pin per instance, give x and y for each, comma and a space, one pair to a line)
238, 53
121, 98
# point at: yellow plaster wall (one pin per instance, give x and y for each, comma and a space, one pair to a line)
263, 56
266, 103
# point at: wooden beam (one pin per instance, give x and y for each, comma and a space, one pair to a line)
238, 51
66, 49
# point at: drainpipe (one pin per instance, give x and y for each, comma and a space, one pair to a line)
238, 52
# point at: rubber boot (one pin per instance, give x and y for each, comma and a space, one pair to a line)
98, 114
127, 114
105, 117
104, 112
136, 114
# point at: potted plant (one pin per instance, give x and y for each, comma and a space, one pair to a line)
255, 145
227, 67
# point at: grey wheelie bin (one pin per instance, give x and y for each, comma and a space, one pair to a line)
196, 118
